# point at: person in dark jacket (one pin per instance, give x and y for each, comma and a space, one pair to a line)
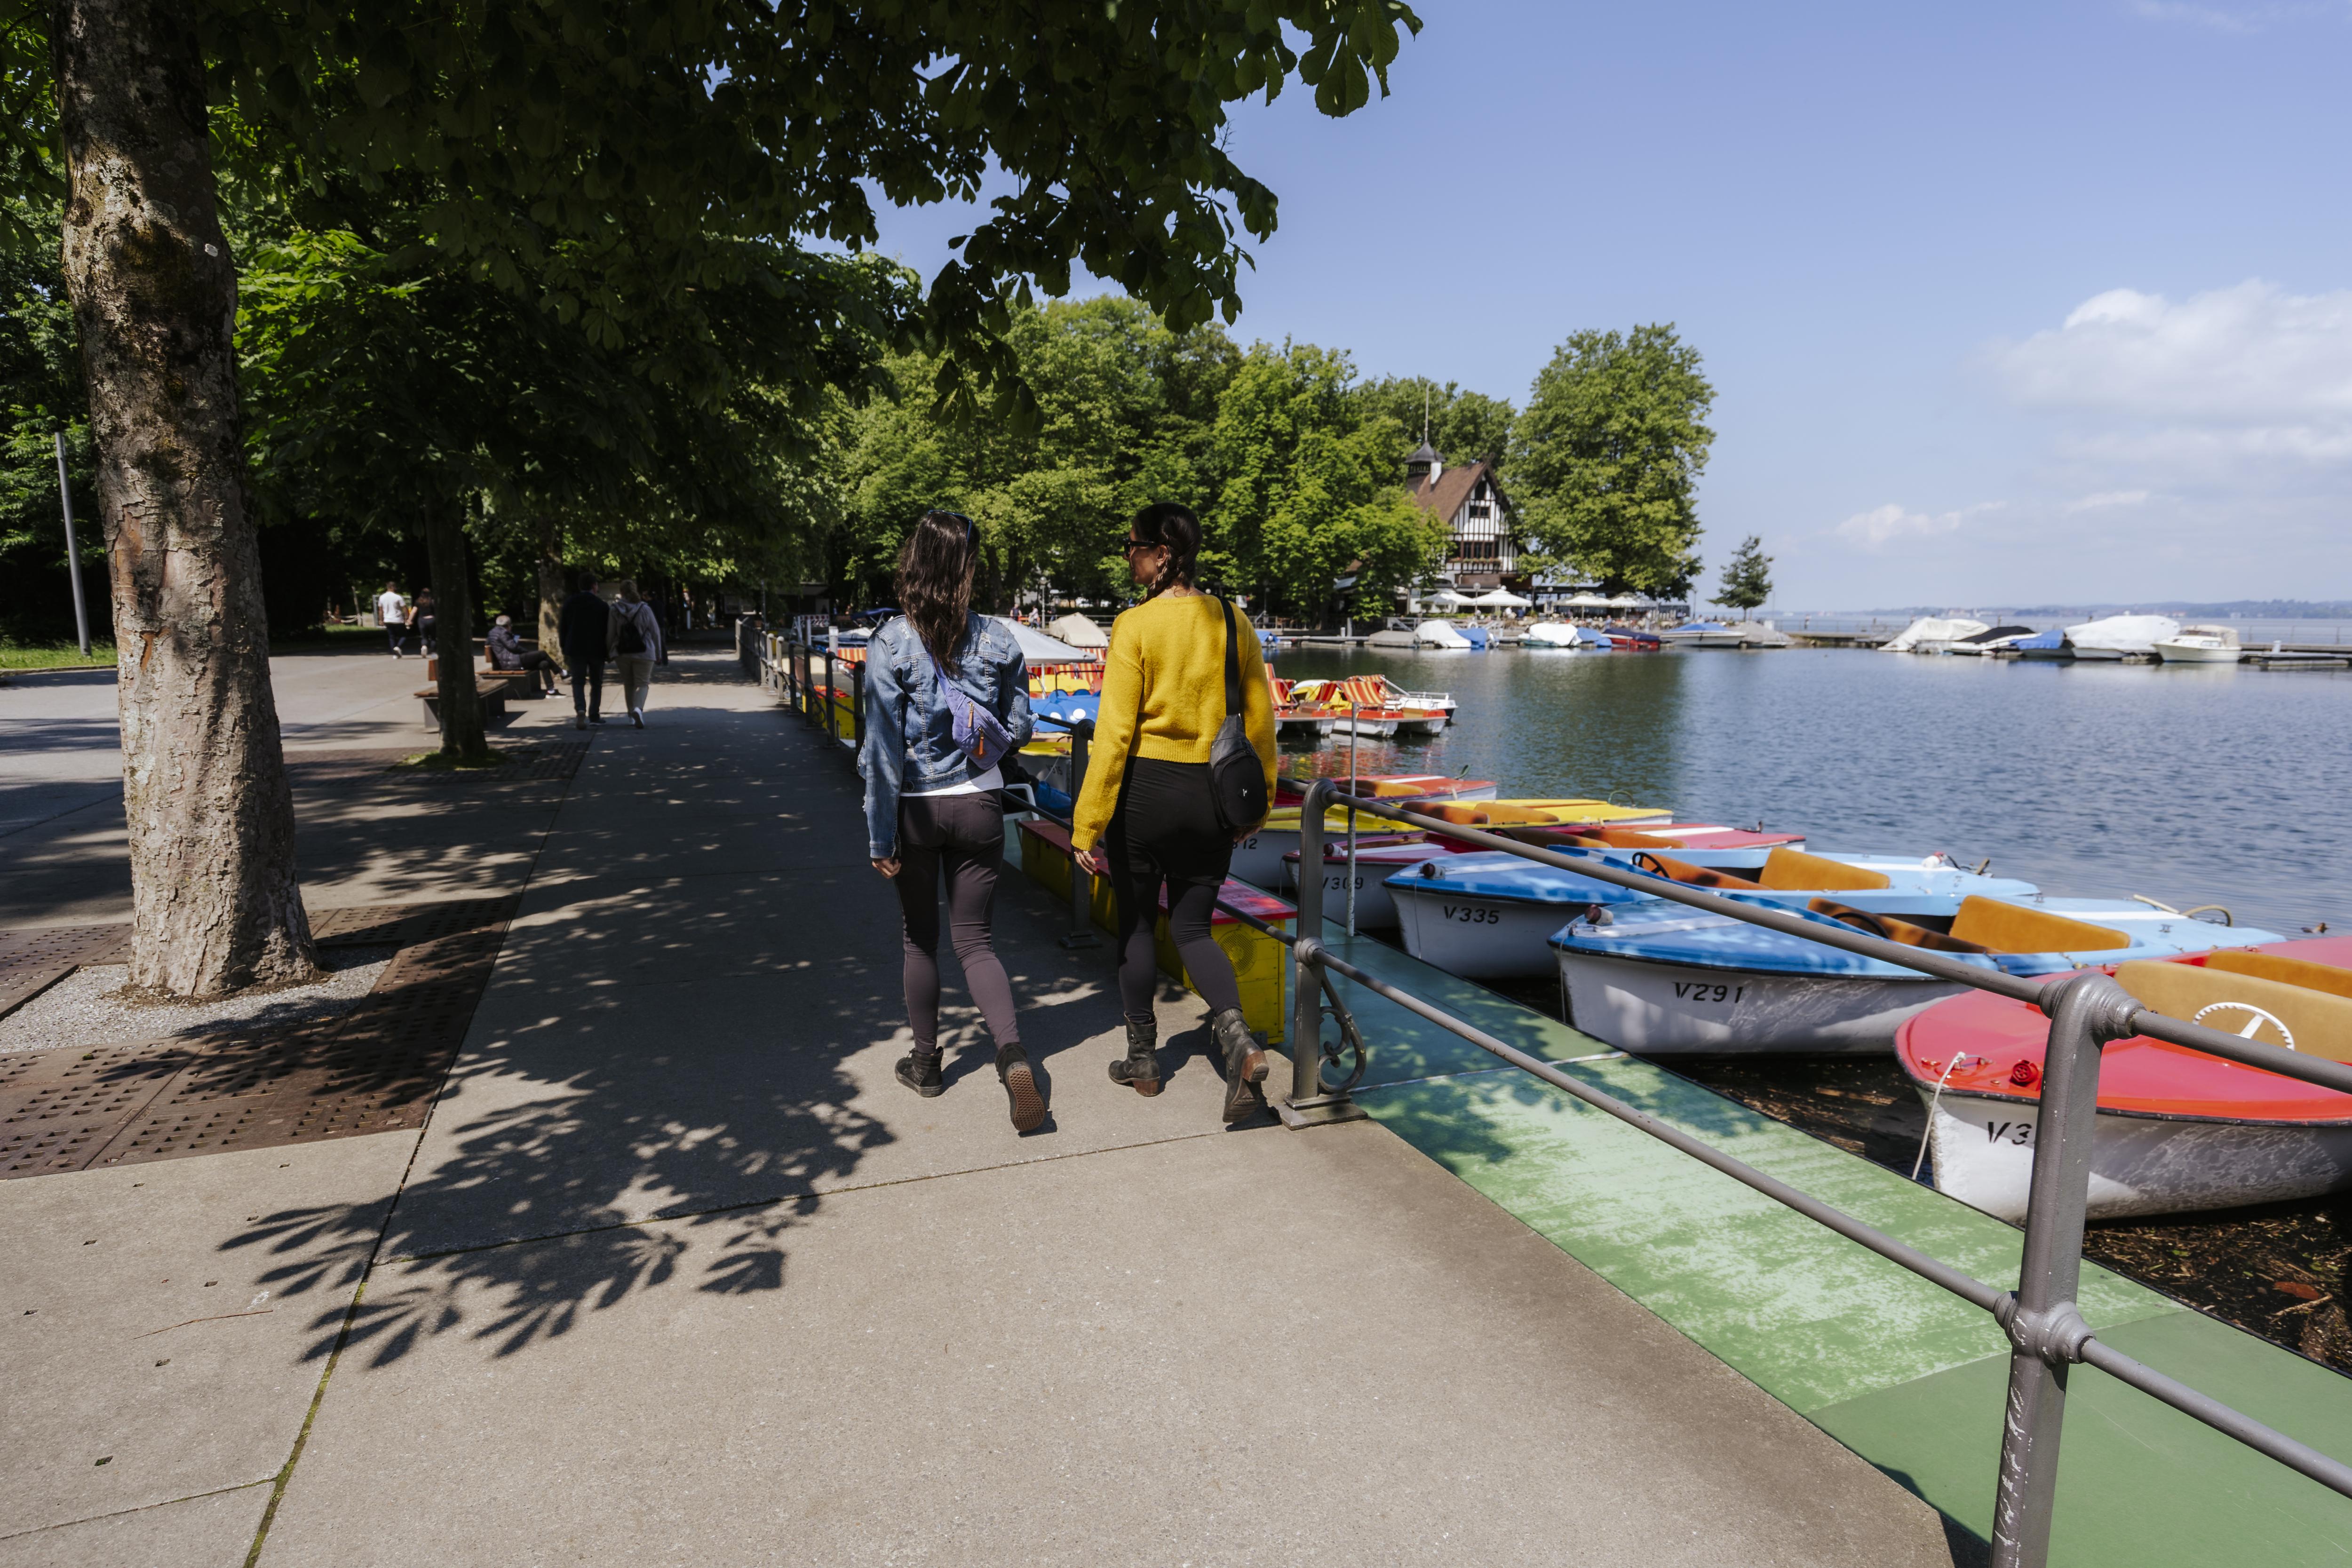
581, 626
507, 652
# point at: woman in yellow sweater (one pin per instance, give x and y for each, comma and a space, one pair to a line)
1147, 794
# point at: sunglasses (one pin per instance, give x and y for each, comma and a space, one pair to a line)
1133, 545
971, 529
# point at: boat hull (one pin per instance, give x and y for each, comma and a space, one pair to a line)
1983, 1153
1475, 938
2173, 653
1375, 910
1672, 1009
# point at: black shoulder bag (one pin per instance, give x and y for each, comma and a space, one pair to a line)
1236, 777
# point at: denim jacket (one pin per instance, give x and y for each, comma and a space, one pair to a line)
909, 730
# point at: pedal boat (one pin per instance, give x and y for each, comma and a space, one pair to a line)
1666, 980
1493, 916
1397, 789
1257, 859
2177, 1131
1381, 855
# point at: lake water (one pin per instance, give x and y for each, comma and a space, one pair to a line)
2192, 784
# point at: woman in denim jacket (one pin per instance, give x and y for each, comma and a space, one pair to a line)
932, 808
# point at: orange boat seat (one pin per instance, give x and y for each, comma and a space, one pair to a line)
1891, 929
1683, 871
2322, 1020
2326, 977
1999, 927
1793, 869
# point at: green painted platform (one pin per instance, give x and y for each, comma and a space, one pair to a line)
1907, 1376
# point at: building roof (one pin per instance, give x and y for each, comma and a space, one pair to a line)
1424, 453
1454, 487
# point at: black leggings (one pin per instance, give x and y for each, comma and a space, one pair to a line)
964, 836
1165, 830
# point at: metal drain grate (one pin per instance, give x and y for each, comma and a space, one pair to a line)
32, 961
373, 1070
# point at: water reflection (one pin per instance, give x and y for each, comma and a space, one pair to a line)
2189, 783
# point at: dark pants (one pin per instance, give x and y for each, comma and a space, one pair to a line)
1165, 831
961, 835
532, 659
587, 681
396, 633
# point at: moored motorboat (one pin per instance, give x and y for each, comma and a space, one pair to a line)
1441, 634
1990, 640
2177, 1131
1668, 980
1700, 634
1632, 639
1552, 635
1932, 633
2200, 645
2049, 645
2121, 636
1493, 915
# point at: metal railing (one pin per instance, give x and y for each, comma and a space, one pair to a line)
2046, 1330
2041, 1320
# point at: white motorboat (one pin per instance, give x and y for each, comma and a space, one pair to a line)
1932, 634
1701, 634
2200, 645
1552, 635
2120, 637
1439, 634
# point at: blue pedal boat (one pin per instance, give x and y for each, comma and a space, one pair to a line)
1666, 980
1492, 915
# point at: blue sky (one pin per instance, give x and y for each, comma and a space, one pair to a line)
2002, 303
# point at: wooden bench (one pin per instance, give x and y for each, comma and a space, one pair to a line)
491, 693
517, 683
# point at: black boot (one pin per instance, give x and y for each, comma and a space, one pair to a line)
1245, 1064
920, 1073
1139, 1068
1028, 1106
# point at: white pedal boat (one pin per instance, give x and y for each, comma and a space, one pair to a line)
1493, 915
1670, 981
2177, 1131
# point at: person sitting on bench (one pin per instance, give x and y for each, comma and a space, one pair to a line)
507, 652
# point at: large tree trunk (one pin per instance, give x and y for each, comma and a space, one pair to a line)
215, 903
453, 632
550, 590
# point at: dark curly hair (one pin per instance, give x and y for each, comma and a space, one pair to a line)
1166, 523
935, 572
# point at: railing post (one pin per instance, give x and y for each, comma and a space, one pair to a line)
1307, 1105
1082, 922
2046, 1329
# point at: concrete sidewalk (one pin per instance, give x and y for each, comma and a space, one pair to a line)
677, 1273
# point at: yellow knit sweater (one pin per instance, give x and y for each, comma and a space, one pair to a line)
1164, 695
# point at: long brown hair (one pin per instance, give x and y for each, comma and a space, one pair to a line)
935, 571
1165, 523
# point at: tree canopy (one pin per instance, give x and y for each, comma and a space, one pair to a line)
1605, 458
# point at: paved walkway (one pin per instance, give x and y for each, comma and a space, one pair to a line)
676, 1273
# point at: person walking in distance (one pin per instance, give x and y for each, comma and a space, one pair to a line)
636, 639
427, 623
1156, 792
947, 697
583, 624
391, 615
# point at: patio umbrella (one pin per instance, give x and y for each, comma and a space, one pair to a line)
1502, 599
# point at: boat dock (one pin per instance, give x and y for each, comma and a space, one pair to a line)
666, 1266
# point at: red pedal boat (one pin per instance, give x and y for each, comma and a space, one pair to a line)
2177, 1129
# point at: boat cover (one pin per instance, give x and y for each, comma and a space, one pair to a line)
1676, 933
2050, 641
1696, 626
1933, 629
2123, 634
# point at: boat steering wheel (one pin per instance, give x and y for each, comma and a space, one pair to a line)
2261, 1017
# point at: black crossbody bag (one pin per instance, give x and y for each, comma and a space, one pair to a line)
1236, 777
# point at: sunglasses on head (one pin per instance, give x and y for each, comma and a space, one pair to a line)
971, 529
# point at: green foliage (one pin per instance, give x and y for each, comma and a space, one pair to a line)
1308, 487
1747, 576
1124, 406
1463, 425
1605, 457
41, 394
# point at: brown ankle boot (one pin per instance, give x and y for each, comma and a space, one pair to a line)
1245, 1064
1139, 1068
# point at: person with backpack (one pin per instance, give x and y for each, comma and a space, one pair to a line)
1181, 771
947, 699
636, 638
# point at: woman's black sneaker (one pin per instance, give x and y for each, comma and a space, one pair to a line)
1021, 1098
1139, 1068
920, 1073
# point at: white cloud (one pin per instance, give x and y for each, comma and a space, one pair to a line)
1884, 525
2105, 499
2252, 358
